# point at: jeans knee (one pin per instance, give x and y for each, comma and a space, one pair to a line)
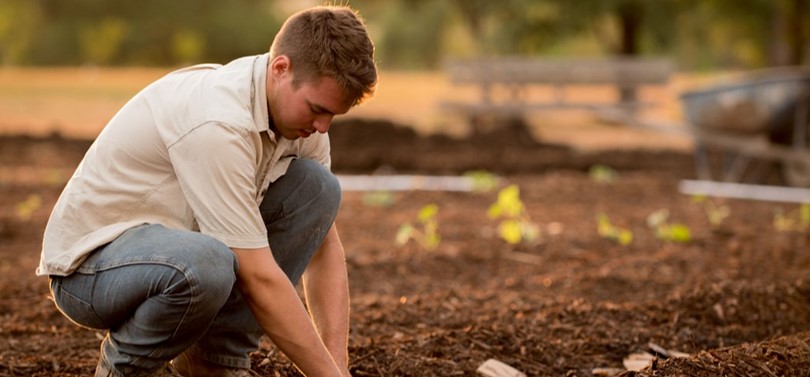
213, 266
331, 191
325, 186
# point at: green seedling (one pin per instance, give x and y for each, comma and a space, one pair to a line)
515, 226
715, 213
378, 198
664, 230
425, 231
614, 233
482, 181
797, 220
602, 174
27, 207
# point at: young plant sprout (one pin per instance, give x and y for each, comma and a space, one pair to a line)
482, 180
26, 208
602, 174
797, 220
607, 230
378, 198
426, 230
664, 230
715, 213
515, 226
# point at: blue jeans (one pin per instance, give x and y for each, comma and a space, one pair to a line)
162, 291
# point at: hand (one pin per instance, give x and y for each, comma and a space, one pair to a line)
279, 310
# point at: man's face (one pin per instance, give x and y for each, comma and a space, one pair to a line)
299, 111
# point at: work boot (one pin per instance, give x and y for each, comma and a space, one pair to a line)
190, 366
104, 370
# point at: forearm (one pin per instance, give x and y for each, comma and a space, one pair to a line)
282, 315
327, 292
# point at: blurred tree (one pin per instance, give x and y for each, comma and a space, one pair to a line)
239, 28
790, 19
412, 33
188, 46
509, 26
100, 42
727, 33
146, 32
622, 27
19, 20
407, 34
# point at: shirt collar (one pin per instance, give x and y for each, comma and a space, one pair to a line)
260, 111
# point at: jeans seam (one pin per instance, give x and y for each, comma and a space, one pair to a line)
168, 262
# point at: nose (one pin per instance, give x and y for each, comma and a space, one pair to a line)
322, 123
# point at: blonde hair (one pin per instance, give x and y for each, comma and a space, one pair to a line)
329, 41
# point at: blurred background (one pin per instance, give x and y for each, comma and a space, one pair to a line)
67, 66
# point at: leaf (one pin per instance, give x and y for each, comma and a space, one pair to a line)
716, 215
404, 234
602, 174
679, 233
378, 199
26, 208
428, 212
674, 233
607, 230
658, 218
482, 180
510, 231
509, 201
781, 222
625, 237
603, 226
432, 241
529, 231
804, 214
494, 211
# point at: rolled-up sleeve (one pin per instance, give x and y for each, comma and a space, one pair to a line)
216, 165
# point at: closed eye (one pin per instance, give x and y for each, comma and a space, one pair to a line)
319, 110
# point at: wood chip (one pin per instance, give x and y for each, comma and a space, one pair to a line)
524, 258
495, 368
606, 372
638, 361
665, 353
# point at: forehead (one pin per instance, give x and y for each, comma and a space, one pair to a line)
325, 92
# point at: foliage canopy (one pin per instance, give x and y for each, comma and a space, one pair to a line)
411, 34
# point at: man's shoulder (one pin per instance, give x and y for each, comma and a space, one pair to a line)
197, 67
244, 62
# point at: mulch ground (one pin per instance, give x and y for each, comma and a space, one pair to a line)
734, 299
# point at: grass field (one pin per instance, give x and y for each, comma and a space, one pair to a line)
77, 102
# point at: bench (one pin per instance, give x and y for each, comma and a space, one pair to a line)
505, 81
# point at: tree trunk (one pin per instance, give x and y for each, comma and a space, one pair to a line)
630, 15
796, 37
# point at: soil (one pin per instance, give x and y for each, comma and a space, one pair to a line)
734, 298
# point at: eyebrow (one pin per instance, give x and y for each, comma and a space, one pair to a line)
320, 109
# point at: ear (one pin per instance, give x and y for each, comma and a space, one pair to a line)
279, 66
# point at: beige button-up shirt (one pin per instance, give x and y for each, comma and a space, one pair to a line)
192, 151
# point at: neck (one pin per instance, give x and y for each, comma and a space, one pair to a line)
271, 124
